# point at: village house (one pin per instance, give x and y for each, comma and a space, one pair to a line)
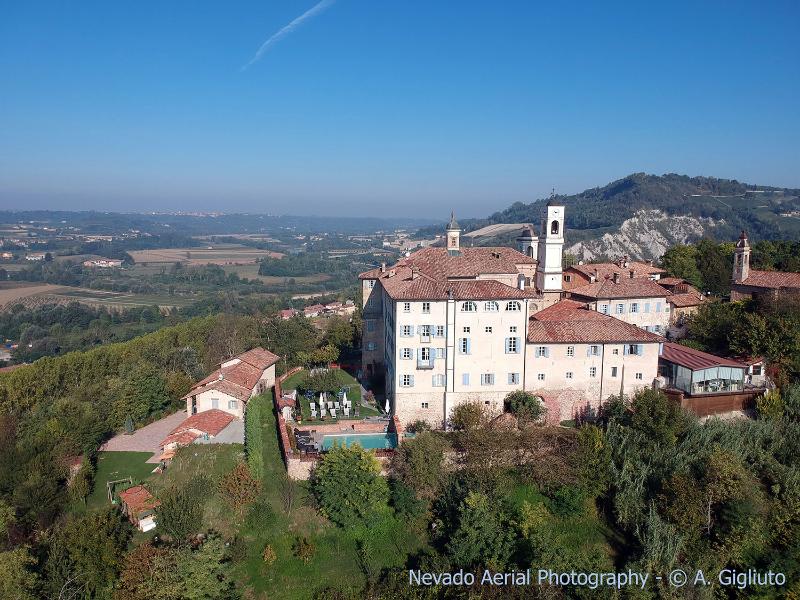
314, 310
210, 425
35, 256
287, 313
102, 263
236, 380
750, 284
583, 274
636, 300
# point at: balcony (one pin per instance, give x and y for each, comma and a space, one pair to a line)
424, 364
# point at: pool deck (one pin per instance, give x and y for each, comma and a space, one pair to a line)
318, 432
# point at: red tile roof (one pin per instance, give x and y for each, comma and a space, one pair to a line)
772, 279
669, 281
259, 358
209, 421
571, 321
640, 269
695, 359
239, 379
687, 299
637, 287
138, 499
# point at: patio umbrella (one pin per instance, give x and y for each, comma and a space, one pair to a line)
386, 410
344, 397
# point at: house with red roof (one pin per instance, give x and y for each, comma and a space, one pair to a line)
139, 505
203, 426
585, 273
231, 385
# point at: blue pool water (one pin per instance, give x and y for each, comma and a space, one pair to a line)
368, 441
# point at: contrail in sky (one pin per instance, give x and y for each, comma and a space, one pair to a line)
287, 29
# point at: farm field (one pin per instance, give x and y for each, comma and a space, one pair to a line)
221, 254
12, 292
251, 272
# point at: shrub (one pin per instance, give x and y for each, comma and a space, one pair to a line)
303, 549
769, 405
261, 516
525, 405
348, 486
568, 501
238, 487
405, 501
254, 435
181, 512
419, 463
419, 426
269, 555
468, 416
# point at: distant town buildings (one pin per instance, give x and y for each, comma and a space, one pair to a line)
102, 263
748, 283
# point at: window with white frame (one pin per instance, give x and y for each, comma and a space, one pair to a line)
424, 405
635, 349
620, 308
233, 404
512, 329
370, 283
594, 350
440, 331
465, 379
512, 345
541, 351
604, 309
438, 380
634, 307
407, 330
491, 306
469, 307
425, 354
487, 379
487, 329
569, 375
592, 371
440, 353
638, 376
426, 307
540, 376
406, 307
467, 329
513, 306
406, 353
425, 331
406, 380
570, 351
613, 371
215, 403
513, 379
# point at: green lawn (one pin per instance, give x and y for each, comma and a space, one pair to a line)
117, 465
335, 562
345, 379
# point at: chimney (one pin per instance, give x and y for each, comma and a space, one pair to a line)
221, 377
649, 262
383, 267
414, 272
633, 273
625, 261
391, 273
616, 277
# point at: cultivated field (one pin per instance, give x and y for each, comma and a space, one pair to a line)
13, 292
219, 254
251, 272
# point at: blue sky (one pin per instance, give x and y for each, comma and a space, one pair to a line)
387, 108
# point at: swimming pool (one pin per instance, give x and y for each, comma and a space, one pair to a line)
368, 441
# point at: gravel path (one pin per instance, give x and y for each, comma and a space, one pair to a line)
147, 438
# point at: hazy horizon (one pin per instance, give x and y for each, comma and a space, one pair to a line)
351, 108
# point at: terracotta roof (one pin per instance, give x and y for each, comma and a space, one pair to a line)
571, 321
437, 263
239, 379
182, 438
772, 279
637, 287
640, 269
10, 368
687, 299
695, 359
209, 421
671, 281
138, 499
259, 358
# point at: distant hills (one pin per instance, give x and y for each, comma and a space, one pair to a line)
642, 215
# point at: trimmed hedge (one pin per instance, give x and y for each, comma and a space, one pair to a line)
254, 433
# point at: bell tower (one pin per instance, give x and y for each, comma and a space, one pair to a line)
741, 259
551, 248
527, 243
453, 236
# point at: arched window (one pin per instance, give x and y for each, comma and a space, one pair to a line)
554, 227
469, 307
513, 306
491, 306
530, 252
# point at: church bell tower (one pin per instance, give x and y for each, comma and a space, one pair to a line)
551, 249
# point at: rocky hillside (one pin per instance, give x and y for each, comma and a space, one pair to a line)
642, 215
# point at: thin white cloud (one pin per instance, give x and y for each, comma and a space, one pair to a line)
287, 29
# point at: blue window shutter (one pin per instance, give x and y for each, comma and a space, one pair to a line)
469, 346
647, 307
588, 350
465, 379
625, 349
507, 345
658, 306
412, 381
433, 380
640, 349
660, 349
546, 350
459, 345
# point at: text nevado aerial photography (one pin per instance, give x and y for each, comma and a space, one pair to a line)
350, 300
